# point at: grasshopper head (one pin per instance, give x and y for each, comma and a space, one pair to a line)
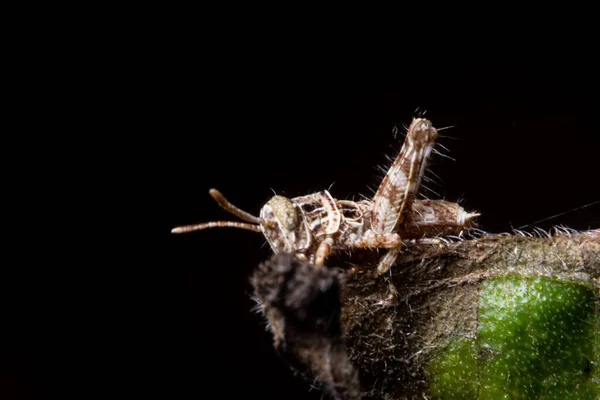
280, 224
279, 221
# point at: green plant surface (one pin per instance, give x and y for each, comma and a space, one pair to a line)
537, 339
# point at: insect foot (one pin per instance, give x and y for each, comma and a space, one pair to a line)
314, 226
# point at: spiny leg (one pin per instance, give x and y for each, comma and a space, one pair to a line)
323, 251
389, 240
402, 181
388, 260
426, 220
401, 184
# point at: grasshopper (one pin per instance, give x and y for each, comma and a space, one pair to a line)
314, 226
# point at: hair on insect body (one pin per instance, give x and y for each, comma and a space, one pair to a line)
314, 226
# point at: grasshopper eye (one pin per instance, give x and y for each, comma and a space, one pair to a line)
284, 210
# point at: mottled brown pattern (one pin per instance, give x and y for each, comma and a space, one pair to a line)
434, 218
314, 226
400, 185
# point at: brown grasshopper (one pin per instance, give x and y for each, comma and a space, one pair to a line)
313, 226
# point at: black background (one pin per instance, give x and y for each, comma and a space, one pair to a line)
146, 312
525, 145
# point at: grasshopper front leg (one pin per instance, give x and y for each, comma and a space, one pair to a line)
323, 251
401, 183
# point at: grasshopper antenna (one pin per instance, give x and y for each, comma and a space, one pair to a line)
222, 201
216, 224
226, 205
